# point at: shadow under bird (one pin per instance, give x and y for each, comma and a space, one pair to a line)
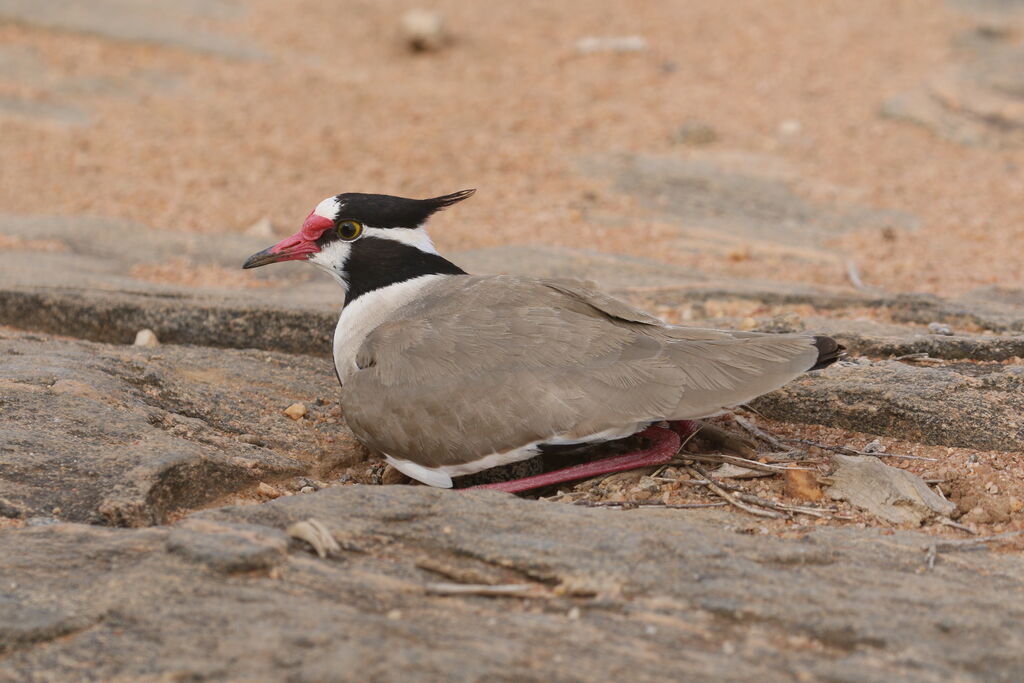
448, 374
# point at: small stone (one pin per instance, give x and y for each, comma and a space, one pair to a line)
574, 613
267, 491
296, 411
696, 133
146, 337
424, 30
940, 328
391, 477
790, 127
992, 488
307, 489
394, 615
1016, 504
591, 44
874, 447
250, 439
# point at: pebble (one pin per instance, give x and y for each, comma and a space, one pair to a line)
268, 491
296, 411
874, 447
146, 337
695, 133
591, 44
424, 30
307, 489
261, 228
940, 328
250, 439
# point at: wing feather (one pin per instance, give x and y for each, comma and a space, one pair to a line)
487, 364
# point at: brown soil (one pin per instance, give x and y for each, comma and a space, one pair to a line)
512, 109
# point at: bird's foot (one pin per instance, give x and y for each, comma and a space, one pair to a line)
664, 445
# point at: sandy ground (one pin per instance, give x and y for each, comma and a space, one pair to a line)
512, 109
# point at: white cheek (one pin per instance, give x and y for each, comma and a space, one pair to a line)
328, 208
332, 259
414, 237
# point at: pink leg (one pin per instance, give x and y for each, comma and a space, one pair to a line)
664, 446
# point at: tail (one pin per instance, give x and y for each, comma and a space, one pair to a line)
829, 351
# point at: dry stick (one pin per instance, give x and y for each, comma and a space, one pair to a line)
736, 460
853, 451
759, 433
933, 549
727, 440
523, 590
747, 497
626, 505
728, 497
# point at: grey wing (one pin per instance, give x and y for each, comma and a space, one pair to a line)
497, 363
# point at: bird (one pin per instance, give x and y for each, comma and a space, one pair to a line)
448, 374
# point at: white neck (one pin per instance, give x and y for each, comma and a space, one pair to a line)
369, 311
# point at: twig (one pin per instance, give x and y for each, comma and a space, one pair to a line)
729, 498
758, 433
854, 275
932, 550
727, 440
720, 458
946, 521
747, 497
845, 450
524, 590
626, 505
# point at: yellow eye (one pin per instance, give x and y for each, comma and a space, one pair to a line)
349, 230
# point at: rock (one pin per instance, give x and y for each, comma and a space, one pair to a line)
592, 44
656, 593
961, 404
940, 328
893, 494
120, 435
696, 133
424, 30
148, 21
146, 338
228, 547
296, 411
977, 100
802, 485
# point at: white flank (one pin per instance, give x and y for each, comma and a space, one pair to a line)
441, 477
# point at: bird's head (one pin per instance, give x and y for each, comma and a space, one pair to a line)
365, 241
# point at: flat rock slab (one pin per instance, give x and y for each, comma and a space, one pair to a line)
641, 595
173, 24
961, 404
81, 277
978, 99
128, 436
700, 193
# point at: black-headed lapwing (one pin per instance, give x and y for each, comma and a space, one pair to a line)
448, 374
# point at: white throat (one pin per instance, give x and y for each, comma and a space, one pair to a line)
367, 312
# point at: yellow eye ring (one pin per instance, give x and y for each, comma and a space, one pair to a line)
349, 230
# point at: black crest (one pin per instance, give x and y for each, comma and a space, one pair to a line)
385, 211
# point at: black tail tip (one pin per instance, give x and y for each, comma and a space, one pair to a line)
829, 351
